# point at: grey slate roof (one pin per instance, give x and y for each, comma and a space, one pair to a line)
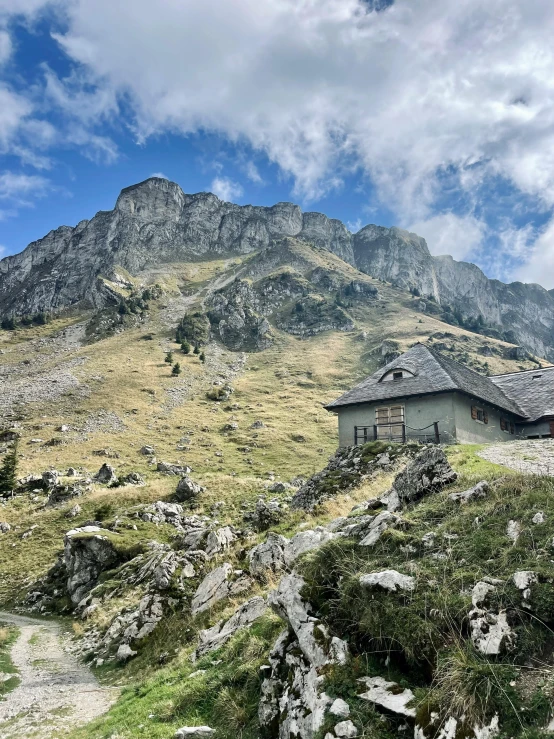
433, 374
533, 389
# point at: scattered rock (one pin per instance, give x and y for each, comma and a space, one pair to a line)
513, 530
106, 475
388, 580
538, 518
187, 490
388, 695
491, 633
133, 478
377, 527
172, 469
125, 653
346, 729
523, 579
194, 732
340, 708
50, 478
478, 491
219, 540
147, 451
428, 472
74, 511
265, 514
87, 553
268, 557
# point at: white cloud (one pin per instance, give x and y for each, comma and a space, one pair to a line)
159, 174
252, 173
5, 46
448, 233
3, 250
354, 226
17, 188
323, 88
539, 266
427, 99
226, 189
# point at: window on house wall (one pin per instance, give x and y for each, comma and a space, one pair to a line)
507, 426
479, 414
397, 375
389, 421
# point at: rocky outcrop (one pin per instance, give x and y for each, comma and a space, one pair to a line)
214, 637
293, 703
428, 472
155, 223
218, 584
348, 468
87, 553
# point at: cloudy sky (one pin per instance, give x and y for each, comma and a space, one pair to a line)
433, 115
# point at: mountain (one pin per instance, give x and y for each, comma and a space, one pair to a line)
154, 223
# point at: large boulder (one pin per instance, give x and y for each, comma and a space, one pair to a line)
87, 553
106, 475
428, 472
187, 490
268, 557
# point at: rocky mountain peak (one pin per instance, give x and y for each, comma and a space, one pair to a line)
155, 223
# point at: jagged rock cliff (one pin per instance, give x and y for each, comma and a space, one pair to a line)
154, 223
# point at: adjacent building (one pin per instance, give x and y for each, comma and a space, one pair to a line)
427, 396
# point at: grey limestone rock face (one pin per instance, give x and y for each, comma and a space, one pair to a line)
428, 472
388, 695
293, 703
187, 490
391, 580
87, 553
217, 585
155, 223
244, 616
478, 491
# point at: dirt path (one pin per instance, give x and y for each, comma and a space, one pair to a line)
532, 457
56, 692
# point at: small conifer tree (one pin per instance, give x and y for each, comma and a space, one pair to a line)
202, 357
185, 347
8, 324
8, 470
169, 358
176, 369
196, 350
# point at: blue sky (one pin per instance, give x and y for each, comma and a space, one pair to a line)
417, 113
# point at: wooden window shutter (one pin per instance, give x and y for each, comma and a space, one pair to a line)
503, 424
474, 412
485, 416
513, 429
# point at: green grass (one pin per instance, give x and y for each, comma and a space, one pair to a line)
225, 697
424, 633
8, 635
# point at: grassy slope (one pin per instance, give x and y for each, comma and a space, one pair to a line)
284, 386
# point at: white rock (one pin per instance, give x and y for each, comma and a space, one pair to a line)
125, 653
193, 731
480, 592
538, 518
523, 579
340, 708
304, 542
219, 540
388, 695
388, 580
478, 491
269, 556
490, 632
245, 615
346, 729
513, 530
